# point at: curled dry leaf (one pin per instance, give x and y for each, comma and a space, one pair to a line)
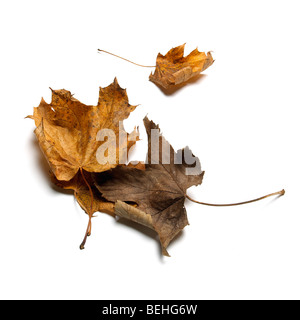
159, 191
174, 69
83, 195
90, 204
66, 130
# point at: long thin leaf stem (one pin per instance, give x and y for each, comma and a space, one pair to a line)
140, 65
89, 226
279, 193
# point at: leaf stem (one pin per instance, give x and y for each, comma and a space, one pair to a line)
279, 193
89, 226
140, 65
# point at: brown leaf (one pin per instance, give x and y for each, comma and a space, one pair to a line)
82, 193
173, 69
159, 190
139, 165
67, 129
83, 196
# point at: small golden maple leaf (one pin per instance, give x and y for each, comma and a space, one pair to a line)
173, 68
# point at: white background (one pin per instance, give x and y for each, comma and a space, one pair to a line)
241, 118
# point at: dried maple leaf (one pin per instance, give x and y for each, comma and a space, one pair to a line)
159, 190
173, 69
66, 130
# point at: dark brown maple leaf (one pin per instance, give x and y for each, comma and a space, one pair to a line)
159, 190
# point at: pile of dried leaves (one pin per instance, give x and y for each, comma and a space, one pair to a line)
151, 193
